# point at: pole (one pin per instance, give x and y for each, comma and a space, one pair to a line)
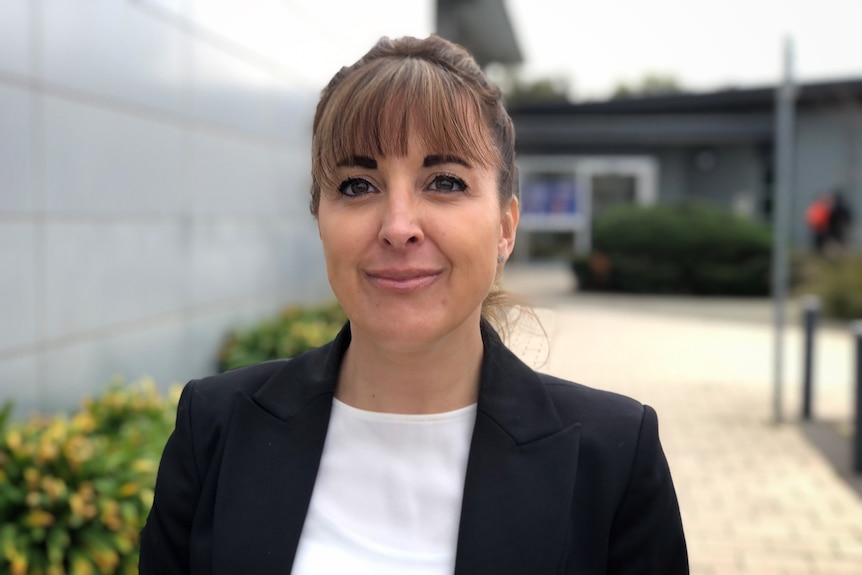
857, 440
811, 307
784, 138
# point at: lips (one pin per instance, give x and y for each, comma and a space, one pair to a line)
402, 280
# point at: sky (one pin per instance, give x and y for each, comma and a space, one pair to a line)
596, 44
593, 44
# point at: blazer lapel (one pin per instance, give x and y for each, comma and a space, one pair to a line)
271, 458
520, 473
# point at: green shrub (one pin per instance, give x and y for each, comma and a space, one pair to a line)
688, 248
642, 275
75, 491
295, 330
838, 283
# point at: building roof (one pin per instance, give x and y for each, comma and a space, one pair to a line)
686, 119
730, 100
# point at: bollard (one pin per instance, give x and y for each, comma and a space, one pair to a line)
857, 439
811, 305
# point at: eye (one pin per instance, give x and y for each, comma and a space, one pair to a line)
355, 187
447, 183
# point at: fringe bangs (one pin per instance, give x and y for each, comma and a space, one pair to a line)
374, 111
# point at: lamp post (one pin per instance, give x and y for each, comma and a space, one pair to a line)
784, 137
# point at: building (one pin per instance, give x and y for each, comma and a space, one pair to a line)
716, 147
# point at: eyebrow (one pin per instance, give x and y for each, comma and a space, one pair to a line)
358, 161
437, 159
428, 162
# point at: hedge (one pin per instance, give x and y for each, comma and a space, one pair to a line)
75, 490
687, 248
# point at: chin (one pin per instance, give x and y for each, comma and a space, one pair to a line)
406, 330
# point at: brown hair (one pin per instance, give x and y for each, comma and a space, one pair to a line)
430, 88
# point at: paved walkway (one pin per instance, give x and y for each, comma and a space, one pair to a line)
756, 497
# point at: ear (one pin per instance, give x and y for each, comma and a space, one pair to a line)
509, 226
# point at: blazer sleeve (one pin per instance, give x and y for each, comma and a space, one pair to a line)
647, 535
165, 539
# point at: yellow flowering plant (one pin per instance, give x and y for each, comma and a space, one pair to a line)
295, 330
75, 490
837, 281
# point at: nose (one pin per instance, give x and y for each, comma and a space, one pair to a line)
401, 225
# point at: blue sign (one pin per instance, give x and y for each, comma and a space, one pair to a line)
549, 196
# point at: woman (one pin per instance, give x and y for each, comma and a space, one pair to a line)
443, 453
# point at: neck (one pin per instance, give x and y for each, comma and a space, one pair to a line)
434, 378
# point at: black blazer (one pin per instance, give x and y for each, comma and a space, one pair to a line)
561, 478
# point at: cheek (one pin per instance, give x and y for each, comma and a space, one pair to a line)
333, 237
484, 231
334, 224
346, 237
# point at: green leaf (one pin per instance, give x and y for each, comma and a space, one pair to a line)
5, 414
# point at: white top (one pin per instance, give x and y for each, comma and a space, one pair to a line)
387, 499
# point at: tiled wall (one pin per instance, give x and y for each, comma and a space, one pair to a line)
153, 184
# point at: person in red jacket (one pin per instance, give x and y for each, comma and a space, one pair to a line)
817, 217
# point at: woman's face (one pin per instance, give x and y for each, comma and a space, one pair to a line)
411, 243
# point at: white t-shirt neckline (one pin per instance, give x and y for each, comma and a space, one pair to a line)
337, 404
387, 499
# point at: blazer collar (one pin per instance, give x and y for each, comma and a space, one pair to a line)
304, 378
511, 394
509, 391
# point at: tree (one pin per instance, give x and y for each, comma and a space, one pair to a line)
518, 90
540, 91
651, 84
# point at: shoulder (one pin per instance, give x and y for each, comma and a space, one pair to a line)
219, 390
206, 404
280, 387
614, 428
579, 403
